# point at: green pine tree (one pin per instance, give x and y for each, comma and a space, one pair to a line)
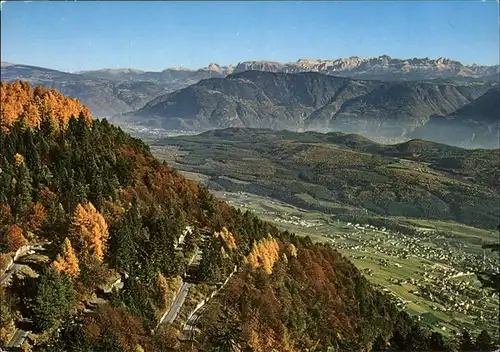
54, 299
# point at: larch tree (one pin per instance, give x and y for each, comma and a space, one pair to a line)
292, 250
264, 254
89, 232
227, 237
15, 238
68, 262
37, 216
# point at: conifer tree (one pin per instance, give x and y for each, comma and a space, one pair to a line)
68, 262
89, 232
54, 299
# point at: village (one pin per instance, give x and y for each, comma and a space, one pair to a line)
441, 273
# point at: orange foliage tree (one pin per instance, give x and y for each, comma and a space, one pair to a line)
20, 100
116, 324
15, 238
68, 262
37, 216
89, 232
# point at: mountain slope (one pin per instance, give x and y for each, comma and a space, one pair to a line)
103, 97
99, 206
333, 172
475, 124
306, 101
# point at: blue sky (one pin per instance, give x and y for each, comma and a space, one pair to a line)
86, 35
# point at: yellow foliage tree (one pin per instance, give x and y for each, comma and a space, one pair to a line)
19, 159
19, 99
89, 232
163, 290
292, 250
227, 237
68, 262
253, 256
264, 254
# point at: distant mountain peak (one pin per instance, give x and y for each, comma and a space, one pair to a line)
113, 71
215, 67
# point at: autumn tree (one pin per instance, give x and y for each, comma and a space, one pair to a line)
89, 233
37, 106
292, 250
162, 291
7, 317
264, 254
37, 217
227, 237
67, 262
14, 239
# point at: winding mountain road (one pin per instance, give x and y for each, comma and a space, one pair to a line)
4, 279
20, 335
181, 295
18, 338
190, 324
177, 303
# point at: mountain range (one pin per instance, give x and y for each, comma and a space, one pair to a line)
103, 97
382, 67
380, 110
103, 93
382, 98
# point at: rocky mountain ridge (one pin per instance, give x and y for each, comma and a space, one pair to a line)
382, 67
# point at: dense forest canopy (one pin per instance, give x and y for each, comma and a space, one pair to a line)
103, 207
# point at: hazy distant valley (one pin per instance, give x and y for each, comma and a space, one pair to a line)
384, 111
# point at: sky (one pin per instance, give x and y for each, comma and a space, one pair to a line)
86, 35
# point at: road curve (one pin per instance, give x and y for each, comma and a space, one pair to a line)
18, 338
4, 279
20, 335
177, 304
190, 324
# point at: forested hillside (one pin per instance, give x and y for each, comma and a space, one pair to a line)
415, 179
100, 206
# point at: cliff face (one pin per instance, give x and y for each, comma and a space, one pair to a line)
382, 67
